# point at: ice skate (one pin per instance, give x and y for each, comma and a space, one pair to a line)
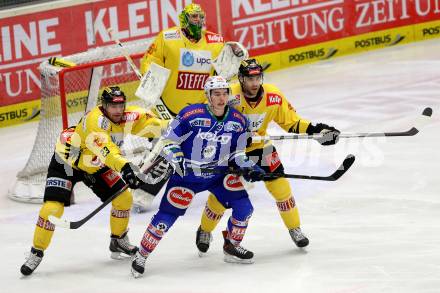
298, 237
236, 254
202, 241
120, 247
138, 264
32, 262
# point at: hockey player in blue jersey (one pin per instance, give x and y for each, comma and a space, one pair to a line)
204, 136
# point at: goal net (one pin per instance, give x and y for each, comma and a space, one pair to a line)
66, 94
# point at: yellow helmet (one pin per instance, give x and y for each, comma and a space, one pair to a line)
194, 29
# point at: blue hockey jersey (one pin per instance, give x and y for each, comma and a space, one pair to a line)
207, 142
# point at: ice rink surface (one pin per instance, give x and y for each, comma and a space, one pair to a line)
377, 229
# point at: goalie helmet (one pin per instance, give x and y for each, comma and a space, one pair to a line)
194, 29
250, 67
113, 94
215, 82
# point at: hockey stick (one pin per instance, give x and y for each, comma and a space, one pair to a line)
76, 224
346, 164
125, 53
160, 107
427, 112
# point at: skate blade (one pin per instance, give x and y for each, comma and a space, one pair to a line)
233, 259
119, 256
135, 274
202, 254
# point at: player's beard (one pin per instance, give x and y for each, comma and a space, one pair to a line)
253, 94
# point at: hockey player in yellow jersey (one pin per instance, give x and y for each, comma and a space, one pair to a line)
262, 104
188, 51
90, 152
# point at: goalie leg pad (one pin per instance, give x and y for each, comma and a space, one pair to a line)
156, 176
142, 200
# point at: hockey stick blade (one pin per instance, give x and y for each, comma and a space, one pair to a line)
427, 112
346, 164
411, 132
75, 225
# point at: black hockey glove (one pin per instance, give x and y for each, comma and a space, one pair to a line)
330, 135
252, 174
247, 168
129, 176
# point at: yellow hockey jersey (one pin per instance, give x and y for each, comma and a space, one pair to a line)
95, 141
271, 106
190, 65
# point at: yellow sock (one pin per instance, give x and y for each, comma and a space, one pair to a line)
120, 213
281, 192
212, 214
44, 229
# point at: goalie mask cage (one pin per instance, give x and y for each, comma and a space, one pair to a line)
68, 93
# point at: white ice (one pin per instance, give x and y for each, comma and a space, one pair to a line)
377, 229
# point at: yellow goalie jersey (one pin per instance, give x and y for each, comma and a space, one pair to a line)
271, 106
95, 142
190, 65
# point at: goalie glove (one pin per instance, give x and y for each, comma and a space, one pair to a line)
228, 61
330, 135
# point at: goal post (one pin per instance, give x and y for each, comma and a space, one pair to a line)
66, 94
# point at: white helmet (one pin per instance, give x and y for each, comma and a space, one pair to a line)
215, 82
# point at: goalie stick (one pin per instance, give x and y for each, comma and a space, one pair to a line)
345, 165
427, 112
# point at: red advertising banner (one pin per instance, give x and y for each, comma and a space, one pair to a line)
266, 26
27, 40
